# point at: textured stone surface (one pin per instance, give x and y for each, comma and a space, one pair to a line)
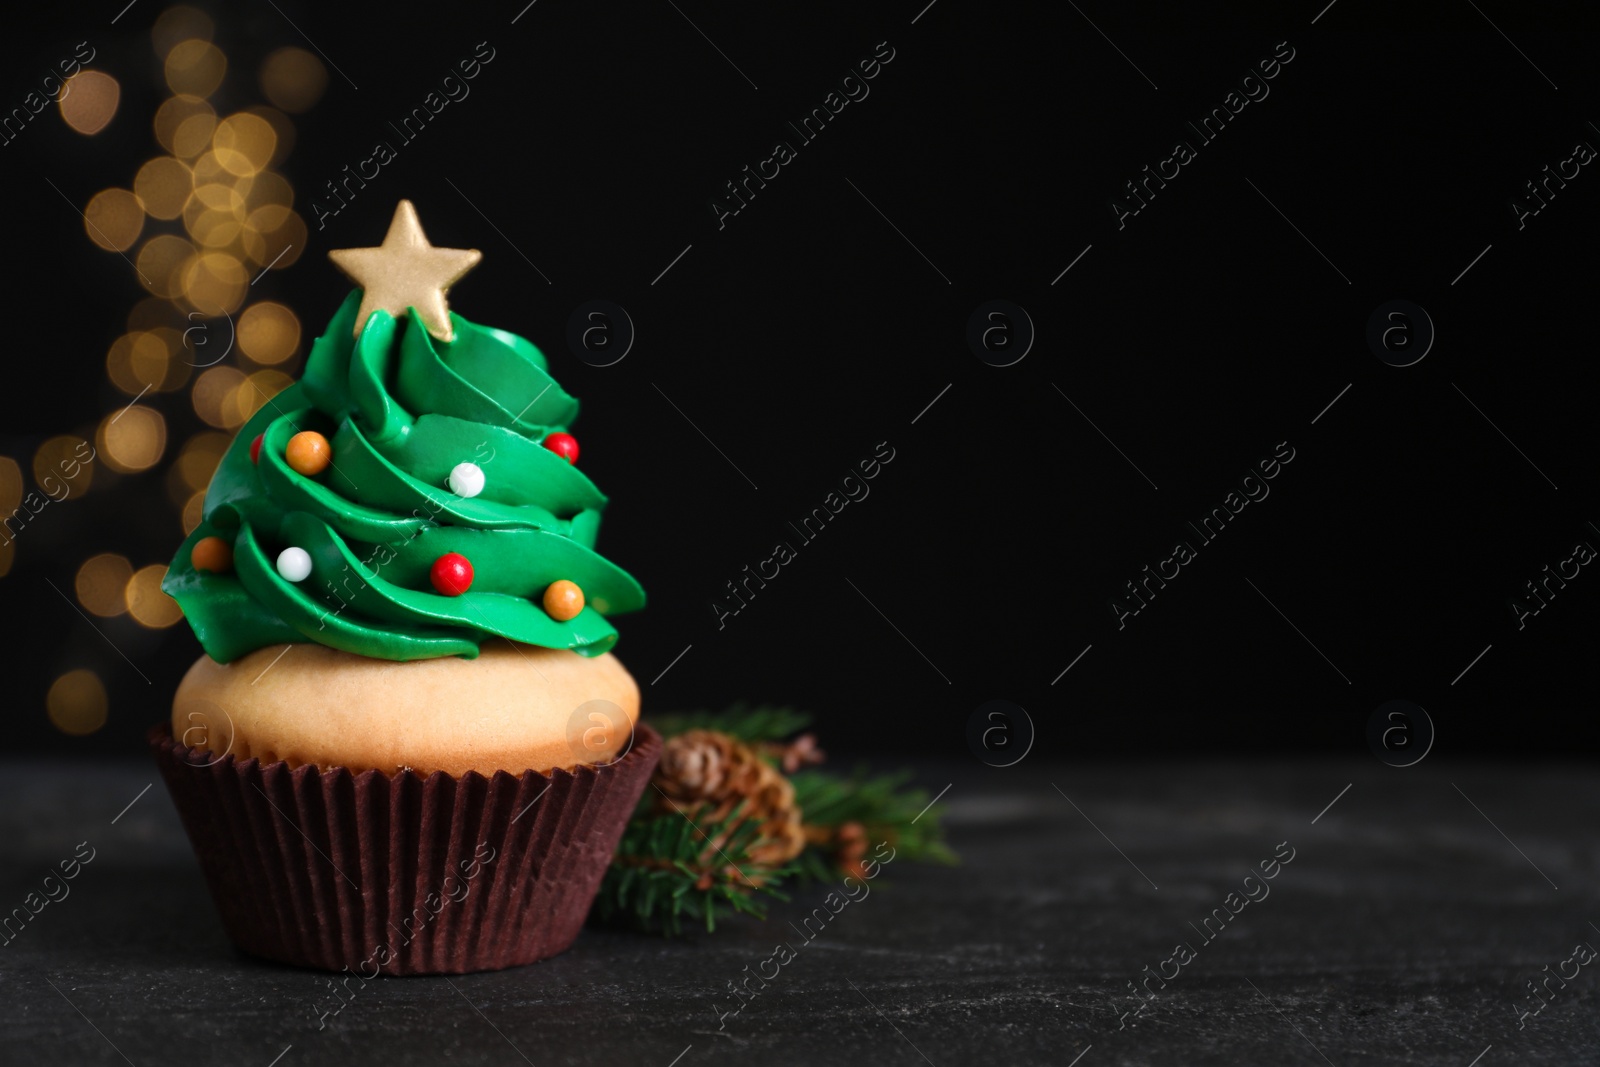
1401, 933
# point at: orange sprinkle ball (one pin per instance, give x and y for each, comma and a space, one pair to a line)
211, 554
563, 600
308, 453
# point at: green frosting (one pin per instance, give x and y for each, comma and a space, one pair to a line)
401, 411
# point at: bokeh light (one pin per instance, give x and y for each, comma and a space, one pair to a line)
61, 461
159, 262
254, 393
193, 512
215, 283
269, 333
133, 439
100, 584
244, 143
282, 129
274, 236
114, 219
148, 605
163, 186
173, 115
212, 394
293, 79
10, 500
195, 67
144, 360
179, 23
89, 101
10, 485
199, 458
77, 703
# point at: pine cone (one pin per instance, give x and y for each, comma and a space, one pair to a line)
793, 755
697, 765
705, 775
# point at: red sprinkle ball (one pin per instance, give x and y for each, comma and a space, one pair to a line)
564, 445
255, 448
451, 574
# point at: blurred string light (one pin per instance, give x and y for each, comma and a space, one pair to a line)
10, 500
89, 101
100, 583
77, 703
148, 605
202, 220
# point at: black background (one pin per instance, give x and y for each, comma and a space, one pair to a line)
808, 330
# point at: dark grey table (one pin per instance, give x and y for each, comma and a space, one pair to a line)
1417, 905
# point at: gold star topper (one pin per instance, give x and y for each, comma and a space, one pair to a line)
406, 272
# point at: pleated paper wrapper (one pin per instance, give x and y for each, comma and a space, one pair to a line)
400, 874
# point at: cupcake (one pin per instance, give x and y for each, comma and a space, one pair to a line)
408, 747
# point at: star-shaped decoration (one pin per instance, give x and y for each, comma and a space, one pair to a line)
406, 272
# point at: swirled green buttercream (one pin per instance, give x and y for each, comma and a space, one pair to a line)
401, 410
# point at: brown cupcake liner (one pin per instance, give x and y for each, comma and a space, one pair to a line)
400, 874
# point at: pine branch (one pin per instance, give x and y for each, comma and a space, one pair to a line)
762, 722
666, 872
882, 808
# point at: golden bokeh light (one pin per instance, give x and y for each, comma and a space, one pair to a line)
270, 189
195, 67
163, 185
114, 219
159, 264
100, 583
193, 135
211, 395
269, 333
65, 461
274, 236
172, 117
133, 439
208, 170
282, 128
214, 283
77, 703
193, 512
10, 500
89, 101
199, 458
10, 485
244, 143
254, 394
177, 24
148, 605
293, 79
142, 360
